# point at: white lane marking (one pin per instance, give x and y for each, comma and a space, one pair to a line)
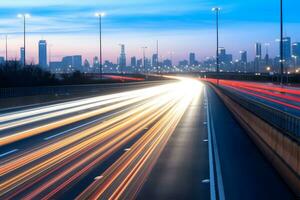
82, 125
98, 177
9, 152
210, 156
213, 144
205, 181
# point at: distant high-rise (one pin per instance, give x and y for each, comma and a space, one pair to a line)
43, 53
122, 59
244, 58
133, 61
296, 52
287, 55
258, 52
296, 49
2, 60
96, 64
139, 63
71, 63
155, 60
22, 54
77, 62
192, 59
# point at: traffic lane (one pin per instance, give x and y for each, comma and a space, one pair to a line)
283, 106
182, 170
134, 126
28, 102
74, 106
164, 90
59, 133
246, 173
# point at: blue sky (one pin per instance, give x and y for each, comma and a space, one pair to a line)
181, 26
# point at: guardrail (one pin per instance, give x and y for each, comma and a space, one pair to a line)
66, 89
285, 122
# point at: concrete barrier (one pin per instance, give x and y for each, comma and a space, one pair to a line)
282, 151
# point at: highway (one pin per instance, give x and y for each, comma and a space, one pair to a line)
285, 98
169, 141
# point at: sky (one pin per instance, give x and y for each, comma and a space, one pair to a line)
71, 28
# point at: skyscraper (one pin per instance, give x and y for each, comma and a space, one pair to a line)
22, 54
192, 59
122, 59
154, 60
133, 61
43, 54
296, 52
244, 58
287, 49
77, 62
258, 53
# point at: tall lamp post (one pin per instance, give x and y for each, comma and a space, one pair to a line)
281, 42
100, 15
217, 11
24, 17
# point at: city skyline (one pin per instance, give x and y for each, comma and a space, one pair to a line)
71, 28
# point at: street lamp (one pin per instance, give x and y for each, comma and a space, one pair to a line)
217, 10
281, 41
100, 15
24, 17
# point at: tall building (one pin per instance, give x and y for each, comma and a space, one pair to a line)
71, 63
133, 61
296, 52
2, 60
43, 54
244, 58
155, 60
287, 55
122, 58
22, 54
258, 52
192, 59
296, 49
77, 62
139, 63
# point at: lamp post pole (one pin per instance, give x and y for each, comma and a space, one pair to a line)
217, 10
281, 42
100, 15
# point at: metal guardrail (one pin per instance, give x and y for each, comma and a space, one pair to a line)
285, 122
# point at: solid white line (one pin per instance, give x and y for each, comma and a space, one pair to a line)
216, 154
210, 156
9, 152
82, 125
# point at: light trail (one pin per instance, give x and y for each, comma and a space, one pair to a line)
48, 169
140, 96
286, 97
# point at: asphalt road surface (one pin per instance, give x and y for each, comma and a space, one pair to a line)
171, 141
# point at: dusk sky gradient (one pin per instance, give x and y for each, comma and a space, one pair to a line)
70, 27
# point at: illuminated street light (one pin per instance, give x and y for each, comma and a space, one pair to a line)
24, 17
100, 15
